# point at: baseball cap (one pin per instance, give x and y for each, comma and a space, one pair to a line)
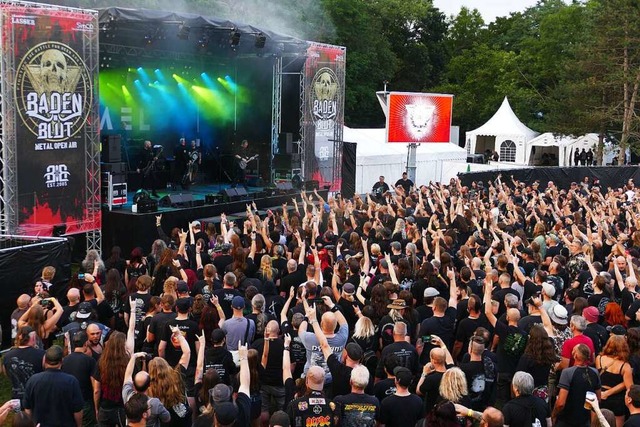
591, 314
527, 251
217, 336
558, 314
398, 304
279, 419
183, 304
196, 224
54, 355
354, 351
226, 413
617, 330
84, 310
348, 288
403, 376
182, 286
431, 292
237, 302
220, 393
548, 289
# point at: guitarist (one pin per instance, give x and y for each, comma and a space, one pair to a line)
146, 166
241, 157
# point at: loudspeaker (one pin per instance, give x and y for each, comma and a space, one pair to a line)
284, 186
173, 200
283, 161
113, 168
285, 143
311, 185
241, 192
148, 205
111, 149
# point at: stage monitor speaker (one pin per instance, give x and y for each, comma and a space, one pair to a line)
176, 200
148, 205
241, 192
111, 152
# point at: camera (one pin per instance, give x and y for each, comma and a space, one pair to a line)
529, 301
45, 302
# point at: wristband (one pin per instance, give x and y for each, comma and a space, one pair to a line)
312, 321
287, 348
470, 413
334, 308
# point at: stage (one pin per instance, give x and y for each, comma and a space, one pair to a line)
127, 229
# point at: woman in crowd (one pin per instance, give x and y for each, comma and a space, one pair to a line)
108, 380
538, 359
616, 375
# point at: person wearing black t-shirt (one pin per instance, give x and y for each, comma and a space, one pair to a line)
358, 409
270, 350
82, 366
632, 401
512, 341
402, 408
219, 358
23, 361
467, 327
379, 189
443, 321
405, 183
227, 293
155, 333
480, 371
386, 387
524, 409
405, 353
439, 361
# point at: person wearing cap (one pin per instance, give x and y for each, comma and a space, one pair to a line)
358, 408
238, 413
53, 397
219, 358
443, 320
426, 309
594, 330
405, 352
238, 328
616, 374
81, 365
22, 361
170, 349
632, 401
405, 183
346, 300
569, 409
314, 408
577, 325
321, 344
403, 408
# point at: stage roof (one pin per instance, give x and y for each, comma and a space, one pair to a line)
193, 34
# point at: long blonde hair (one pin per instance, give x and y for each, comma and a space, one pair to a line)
364, 328
453, 385
166, 383
266, 267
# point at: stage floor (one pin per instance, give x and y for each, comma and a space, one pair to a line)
127, 229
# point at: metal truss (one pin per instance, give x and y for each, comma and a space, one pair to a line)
338, 129
9, 177
276, 113
303, 129
92, 142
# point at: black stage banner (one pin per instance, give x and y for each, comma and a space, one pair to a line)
608, 176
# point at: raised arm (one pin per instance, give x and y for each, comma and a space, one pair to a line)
287, 304
131, 331
488, 311
453, 297
245, 374
128, 372
216, 304
184, 346
310, 311
50, 323
286, 359
200, 360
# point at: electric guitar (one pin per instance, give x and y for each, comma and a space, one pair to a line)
243, 162
152, 164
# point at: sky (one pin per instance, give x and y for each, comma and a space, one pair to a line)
489, 9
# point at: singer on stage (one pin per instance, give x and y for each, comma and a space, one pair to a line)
148, 167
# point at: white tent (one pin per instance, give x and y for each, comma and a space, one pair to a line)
503, 133
553, 148
375, 157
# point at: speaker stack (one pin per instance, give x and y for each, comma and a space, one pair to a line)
113, 172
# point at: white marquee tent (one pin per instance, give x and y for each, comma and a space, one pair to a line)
375, 157
503, 133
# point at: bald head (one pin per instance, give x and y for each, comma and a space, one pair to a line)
437, 356
292, 265
94, 333
73, 295
315, 378
328, 323
513, 315
272, 330
23, 301
141, 381
493, 417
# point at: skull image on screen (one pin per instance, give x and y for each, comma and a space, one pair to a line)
53, 67
325, 87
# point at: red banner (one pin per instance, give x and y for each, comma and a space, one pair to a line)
52, 122
419, 117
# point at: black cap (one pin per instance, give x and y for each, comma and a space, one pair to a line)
403, 376
354, 351
217, 336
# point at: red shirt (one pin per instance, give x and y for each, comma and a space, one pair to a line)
567, 347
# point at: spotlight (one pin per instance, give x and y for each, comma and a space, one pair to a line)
261, 39
234, 40
183, 32
203, 42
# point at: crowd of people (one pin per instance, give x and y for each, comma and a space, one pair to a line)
508, 303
